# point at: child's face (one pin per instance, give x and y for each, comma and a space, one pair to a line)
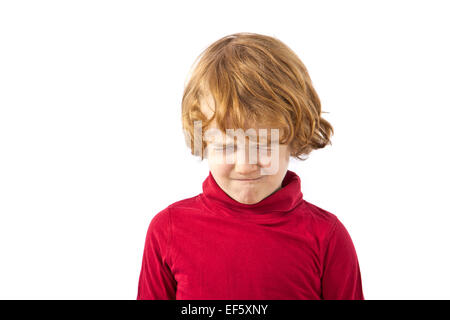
230, 164
269, 168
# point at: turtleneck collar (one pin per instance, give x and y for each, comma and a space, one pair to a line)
275, 205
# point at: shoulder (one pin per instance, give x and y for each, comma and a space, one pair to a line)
324, 224
320, 217
328, 225
163, 218
160, 222
332, 234
187, 203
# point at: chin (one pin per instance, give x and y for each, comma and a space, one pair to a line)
247, 200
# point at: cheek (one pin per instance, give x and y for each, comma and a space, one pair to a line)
220, 169
265, 158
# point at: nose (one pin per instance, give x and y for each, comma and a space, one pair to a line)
246, 169
244, 166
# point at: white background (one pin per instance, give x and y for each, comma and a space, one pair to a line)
91, 145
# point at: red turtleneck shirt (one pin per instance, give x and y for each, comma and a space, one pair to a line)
212, 247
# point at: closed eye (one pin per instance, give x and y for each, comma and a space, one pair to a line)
228, 147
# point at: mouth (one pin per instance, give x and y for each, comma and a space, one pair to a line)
254, 179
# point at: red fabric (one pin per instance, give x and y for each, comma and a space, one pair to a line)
282, 248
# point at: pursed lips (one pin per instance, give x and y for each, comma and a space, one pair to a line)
255, 179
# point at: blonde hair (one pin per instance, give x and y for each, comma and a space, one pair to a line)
254, 78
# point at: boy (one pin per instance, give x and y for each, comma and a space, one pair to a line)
250, 234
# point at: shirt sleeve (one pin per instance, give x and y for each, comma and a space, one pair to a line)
156, 281
341, 277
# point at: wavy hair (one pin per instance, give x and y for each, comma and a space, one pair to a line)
252, 78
